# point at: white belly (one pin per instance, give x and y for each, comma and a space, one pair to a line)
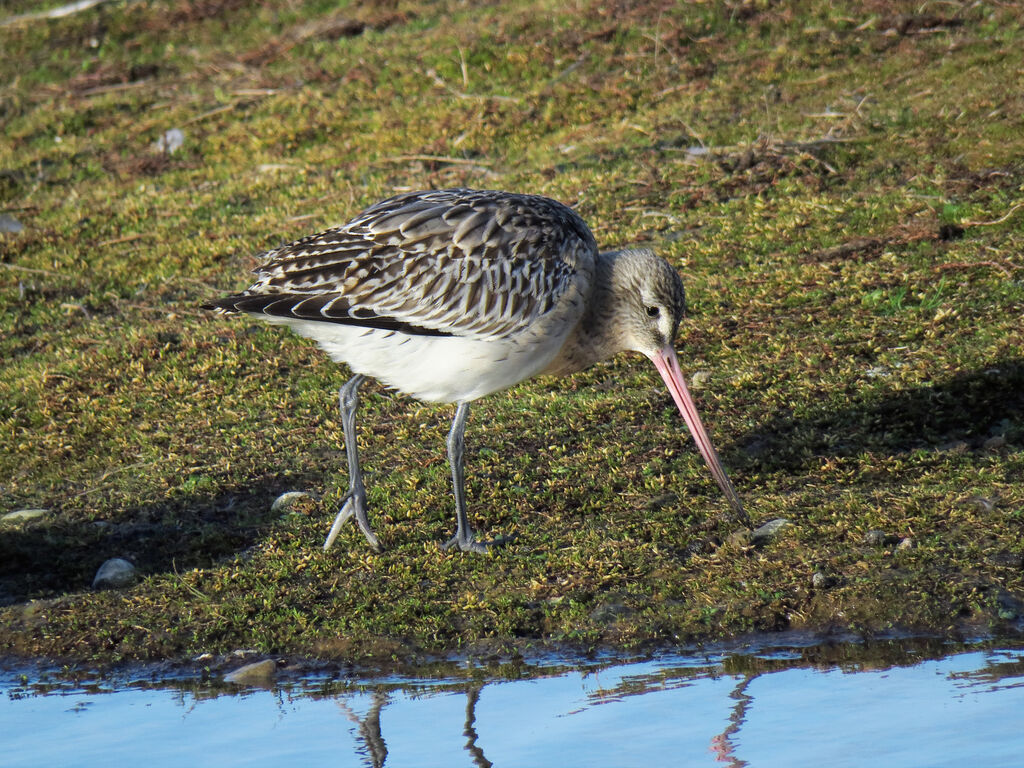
443, 369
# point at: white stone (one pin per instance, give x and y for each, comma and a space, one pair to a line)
284, 502
115, 574
23, 515
769, 530
170, 142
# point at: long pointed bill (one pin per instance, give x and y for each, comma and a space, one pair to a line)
668, 366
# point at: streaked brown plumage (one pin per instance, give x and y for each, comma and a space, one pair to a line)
450, 295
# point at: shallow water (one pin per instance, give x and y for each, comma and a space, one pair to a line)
783, 707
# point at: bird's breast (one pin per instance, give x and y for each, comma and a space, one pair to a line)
443, 369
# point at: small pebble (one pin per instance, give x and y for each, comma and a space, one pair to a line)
700, 379
10, 224
905, 544
259, 673
22, 515
768, 531
285, 501
879, 538
115, 574
821, 580
170, 142
994, 443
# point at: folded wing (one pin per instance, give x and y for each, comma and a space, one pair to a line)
455, 262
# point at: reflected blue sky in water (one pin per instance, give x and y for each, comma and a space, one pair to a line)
937, 713
966, 709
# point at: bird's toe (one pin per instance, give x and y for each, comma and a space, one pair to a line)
354, 506
346, 511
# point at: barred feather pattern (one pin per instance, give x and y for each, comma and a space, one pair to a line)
475, 264
451, 295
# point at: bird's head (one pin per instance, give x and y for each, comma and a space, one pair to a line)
651, 300
650, 304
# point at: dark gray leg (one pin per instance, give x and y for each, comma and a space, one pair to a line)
355, 499
463, 538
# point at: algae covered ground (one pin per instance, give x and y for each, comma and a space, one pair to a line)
840, 184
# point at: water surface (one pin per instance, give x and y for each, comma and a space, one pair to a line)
773, 708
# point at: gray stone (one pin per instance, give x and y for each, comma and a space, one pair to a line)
994, 443
905, 544
116, 573
879, 538
10, 224
768, 531
259, 673
22, 516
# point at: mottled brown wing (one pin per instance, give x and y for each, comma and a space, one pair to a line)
445, 262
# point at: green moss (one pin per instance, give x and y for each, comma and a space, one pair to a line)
849, 239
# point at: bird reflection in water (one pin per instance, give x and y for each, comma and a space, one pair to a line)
375, 749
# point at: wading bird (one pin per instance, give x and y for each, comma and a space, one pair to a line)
452, 294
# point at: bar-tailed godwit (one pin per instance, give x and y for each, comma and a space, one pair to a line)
453, 294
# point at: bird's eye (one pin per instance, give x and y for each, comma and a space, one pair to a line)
653, 311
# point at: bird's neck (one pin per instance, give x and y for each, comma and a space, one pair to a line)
596, 336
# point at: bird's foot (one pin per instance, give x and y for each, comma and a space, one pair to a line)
355, 504
470, 544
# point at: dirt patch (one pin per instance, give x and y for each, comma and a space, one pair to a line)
334, 27
106, 75
193, 11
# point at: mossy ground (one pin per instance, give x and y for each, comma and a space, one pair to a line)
850, 235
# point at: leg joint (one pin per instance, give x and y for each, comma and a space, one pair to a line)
349, 393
